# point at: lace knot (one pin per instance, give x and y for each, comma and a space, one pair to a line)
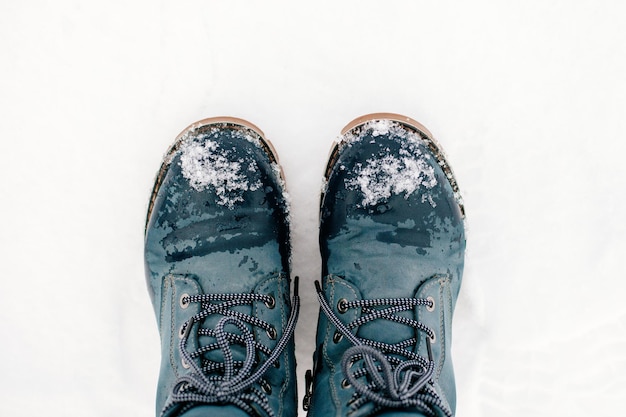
229, 381
386, 385
387, 375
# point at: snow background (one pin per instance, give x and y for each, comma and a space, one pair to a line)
529, 101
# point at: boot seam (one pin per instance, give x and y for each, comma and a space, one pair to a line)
331, 283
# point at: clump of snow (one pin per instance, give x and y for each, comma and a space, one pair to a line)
324, 186
380, 127
380, 178
240, 133
428, 197
286, 202
205, 165
388, 174
278, 173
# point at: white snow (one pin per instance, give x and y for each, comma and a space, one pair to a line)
527, 98
380, 127
380, 178
385, 175
277, 171
205, 165
383, 127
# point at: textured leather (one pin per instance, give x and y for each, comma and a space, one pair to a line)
195, 243
408, 244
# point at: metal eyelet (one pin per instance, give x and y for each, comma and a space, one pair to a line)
433, 338
345, 384
430, 307
271, 303
277, 364
271, 333
267, 388
342, 306
184, 301
185, 363
337, 337
182, 330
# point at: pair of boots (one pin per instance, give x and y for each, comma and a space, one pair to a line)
217, 255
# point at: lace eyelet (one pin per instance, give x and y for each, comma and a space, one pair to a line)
345, 384
271, 302
267, 388
277, 364
182, 330
433, 338
184, 301
337, 337
342, 306
271, 333
430, 307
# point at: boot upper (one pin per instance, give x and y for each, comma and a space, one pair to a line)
217, 267
392, 240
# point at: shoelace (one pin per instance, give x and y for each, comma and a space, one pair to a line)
396, 377
234, 381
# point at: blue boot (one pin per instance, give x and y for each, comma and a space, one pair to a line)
392, 241
217, 266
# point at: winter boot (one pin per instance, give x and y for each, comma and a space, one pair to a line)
217, 265
392, 242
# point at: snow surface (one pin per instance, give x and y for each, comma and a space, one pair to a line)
527, 99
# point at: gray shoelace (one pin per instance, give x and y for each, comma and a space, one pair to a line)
391, 376
230, 381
